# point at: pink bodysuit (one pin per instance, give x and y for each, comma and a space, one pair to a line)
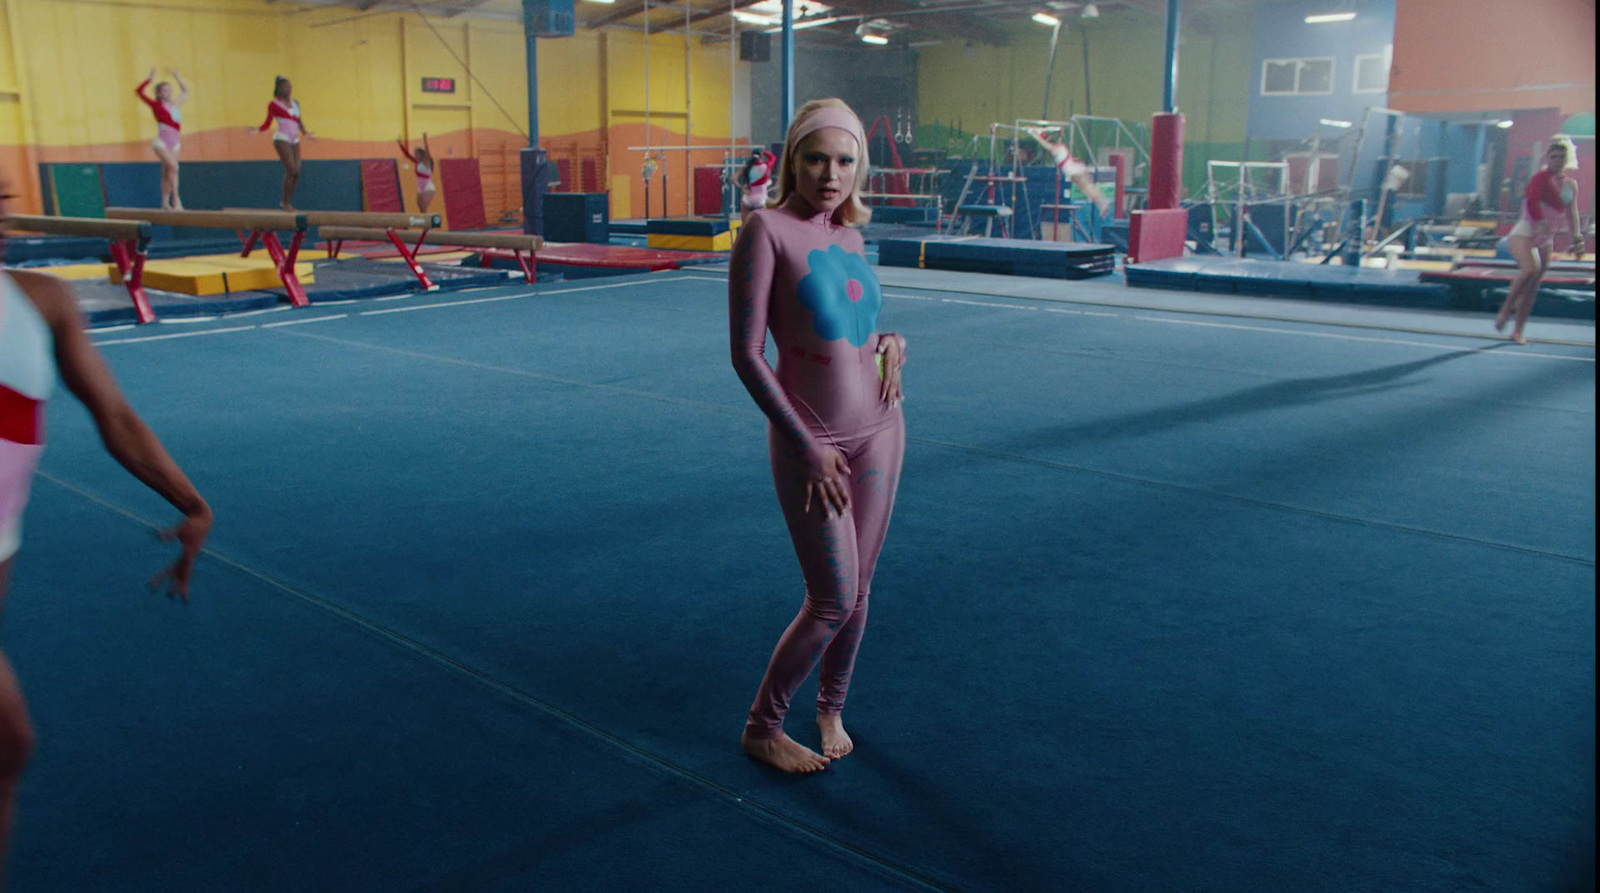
804, 277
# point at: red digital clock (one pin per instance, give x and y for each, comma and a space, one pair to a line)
438, 85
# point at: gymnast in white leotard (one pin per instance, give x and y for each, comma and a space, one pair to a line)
422, 161
168, 113
283, 113
41, 335
1080, 174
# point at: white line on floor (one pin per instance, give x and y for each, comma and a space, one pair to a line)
531, 294
1492, 351
301, 322
175, 335
278, 309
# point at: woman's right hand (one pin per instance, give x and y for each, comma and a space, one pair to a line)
831, 488
191, 535
151, 76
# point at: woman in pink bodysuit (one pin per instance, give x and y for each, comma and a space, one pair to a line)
169, 132
1549, 200
835, 434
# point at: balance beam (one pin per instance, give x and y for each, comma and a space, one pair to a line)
357, 218
521, 246
129, 240
266, 223
388, 222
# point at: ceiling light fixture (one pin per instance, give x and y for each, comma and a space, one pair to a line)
1090, 11
1504, 125
1327, 17
875, 39
1045, 18
1329, 122
809, 23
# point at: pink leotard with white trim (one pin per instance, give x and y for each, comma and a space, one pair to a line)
804, 277
27, 376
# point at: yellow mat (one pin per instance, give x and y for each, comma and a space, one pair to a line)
216, 274
718, 242
79, 271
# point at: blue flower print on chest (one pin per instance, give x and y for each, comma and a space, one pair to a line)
842, 295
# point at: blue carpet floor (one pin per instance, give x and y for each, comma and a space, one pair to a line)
1169, 603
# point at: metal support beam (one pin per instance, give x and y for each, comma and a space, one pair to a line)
1169, 83
786, 106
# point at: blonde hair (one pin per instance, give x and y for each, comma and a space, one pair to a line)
1566, 144
853, 212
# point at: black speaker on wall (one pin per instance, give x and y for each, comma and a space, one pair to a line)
755, 46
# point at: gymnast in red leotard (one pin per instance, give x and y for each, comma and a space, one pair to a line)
1549, 201
835, 432
169, 132
422, 160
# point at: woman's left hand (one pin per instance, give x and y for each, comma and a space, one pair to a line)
889, 391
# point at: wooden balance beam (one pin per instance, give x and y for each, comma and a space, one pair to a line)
129, 241
521, 246
267, 223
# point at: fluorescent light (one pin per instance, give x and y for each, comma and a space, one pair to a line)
1327, 17
600, 1
1504, 125
808, 23
1044, 18
877, 39
749, 18
1329, 122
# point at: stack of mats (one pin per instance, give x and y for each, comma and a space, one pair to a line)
1006, 257
1287, 279
214, 274
691, 233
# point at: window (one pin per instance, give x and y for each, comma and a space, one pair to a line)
1372, 73
1290, 77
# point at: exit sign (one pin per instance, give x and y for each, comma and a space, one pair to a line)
438, 85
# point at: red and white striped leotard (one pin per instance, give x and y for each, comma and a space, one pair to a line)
287, 116
169, 118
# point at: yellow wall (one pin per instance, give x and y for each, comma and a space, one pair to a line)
68, 69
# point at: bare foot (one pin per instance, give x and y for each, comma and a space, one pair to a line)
1519, 338
1499, 324
784, 753
835, 741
